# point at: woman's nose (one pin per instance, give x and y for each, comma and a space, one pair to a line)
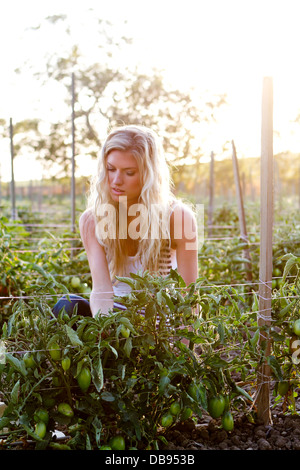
118, 178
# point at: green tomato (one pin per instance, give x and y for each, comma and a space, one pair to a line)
29, 361
57, 446
227, 421
65, 409
166, 420
75, 282
84, 379
105, 448
41, 415
192, 391
125, 332
216, 406
54, 351
40, 429
280, 282
186, 413
296, 327
277, 272
117, 443
66, 363
283, 387
175, 408
85, 289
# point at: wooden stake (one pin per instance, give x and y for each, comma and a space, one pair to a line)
73, 195
12, 183
211, 195
242, 218
266, 253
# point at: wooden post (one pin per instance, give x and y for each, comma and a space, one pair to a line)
73, 205
0, 186
252, 190
211, 195
266, 252
12, 183
299, 186
241, 211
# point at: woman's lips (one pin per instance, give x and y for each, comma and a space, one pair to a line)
117, 191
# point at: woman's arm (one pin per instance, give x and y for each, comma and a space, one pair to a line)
184, 239
101, 297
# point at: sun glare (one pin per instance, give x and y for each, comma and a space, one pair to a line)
214, 47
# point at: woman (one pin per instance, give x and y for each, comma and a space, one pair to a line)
133, 221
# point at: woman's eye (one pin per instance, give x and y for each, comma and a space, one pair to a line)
130, 173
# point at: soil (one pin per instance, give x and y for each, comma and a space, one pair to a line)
207, 434
282, 434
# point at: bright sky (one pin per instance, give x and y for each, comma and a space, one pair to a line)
223, 46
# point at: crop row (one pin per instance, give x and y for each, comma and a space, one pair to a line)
127, 379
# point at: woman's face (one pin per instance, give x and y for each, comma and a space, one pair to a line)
123, 176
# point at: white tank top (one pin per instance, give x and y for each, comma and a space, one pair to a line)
167, 261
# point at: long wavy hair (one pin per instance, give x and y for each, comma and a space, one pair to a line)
156, 196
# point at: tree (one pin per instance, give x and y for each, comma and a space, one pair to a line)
108, 96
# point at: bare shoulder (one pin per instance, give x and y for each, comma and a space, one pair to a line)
182, 223
86, 221
87, 227
182, 214
86, 217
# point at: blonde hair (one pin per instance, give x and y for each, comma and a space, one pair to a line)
156, 196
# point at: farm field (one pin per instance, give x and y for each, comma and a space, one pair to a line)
128, 381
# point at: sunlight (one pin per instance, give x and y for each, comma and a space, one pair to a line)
213, 47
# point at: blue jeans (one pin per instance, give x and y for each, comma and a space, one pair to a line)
83, 306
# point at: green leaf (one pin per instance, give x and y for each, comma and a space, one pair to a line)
126, 322
127, 280
24, 421
239, 259
163, 439
128, 347
73, 337
243, 392
5, 421
217, 362
150, 310
160, 298
98, 429
14, 395
97, 375
163, 384
107, 396
255, 338
292, 260
221, 332
287, 308
175, 275
115, 352
202, 396
275, 366
18, 365
168, 301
